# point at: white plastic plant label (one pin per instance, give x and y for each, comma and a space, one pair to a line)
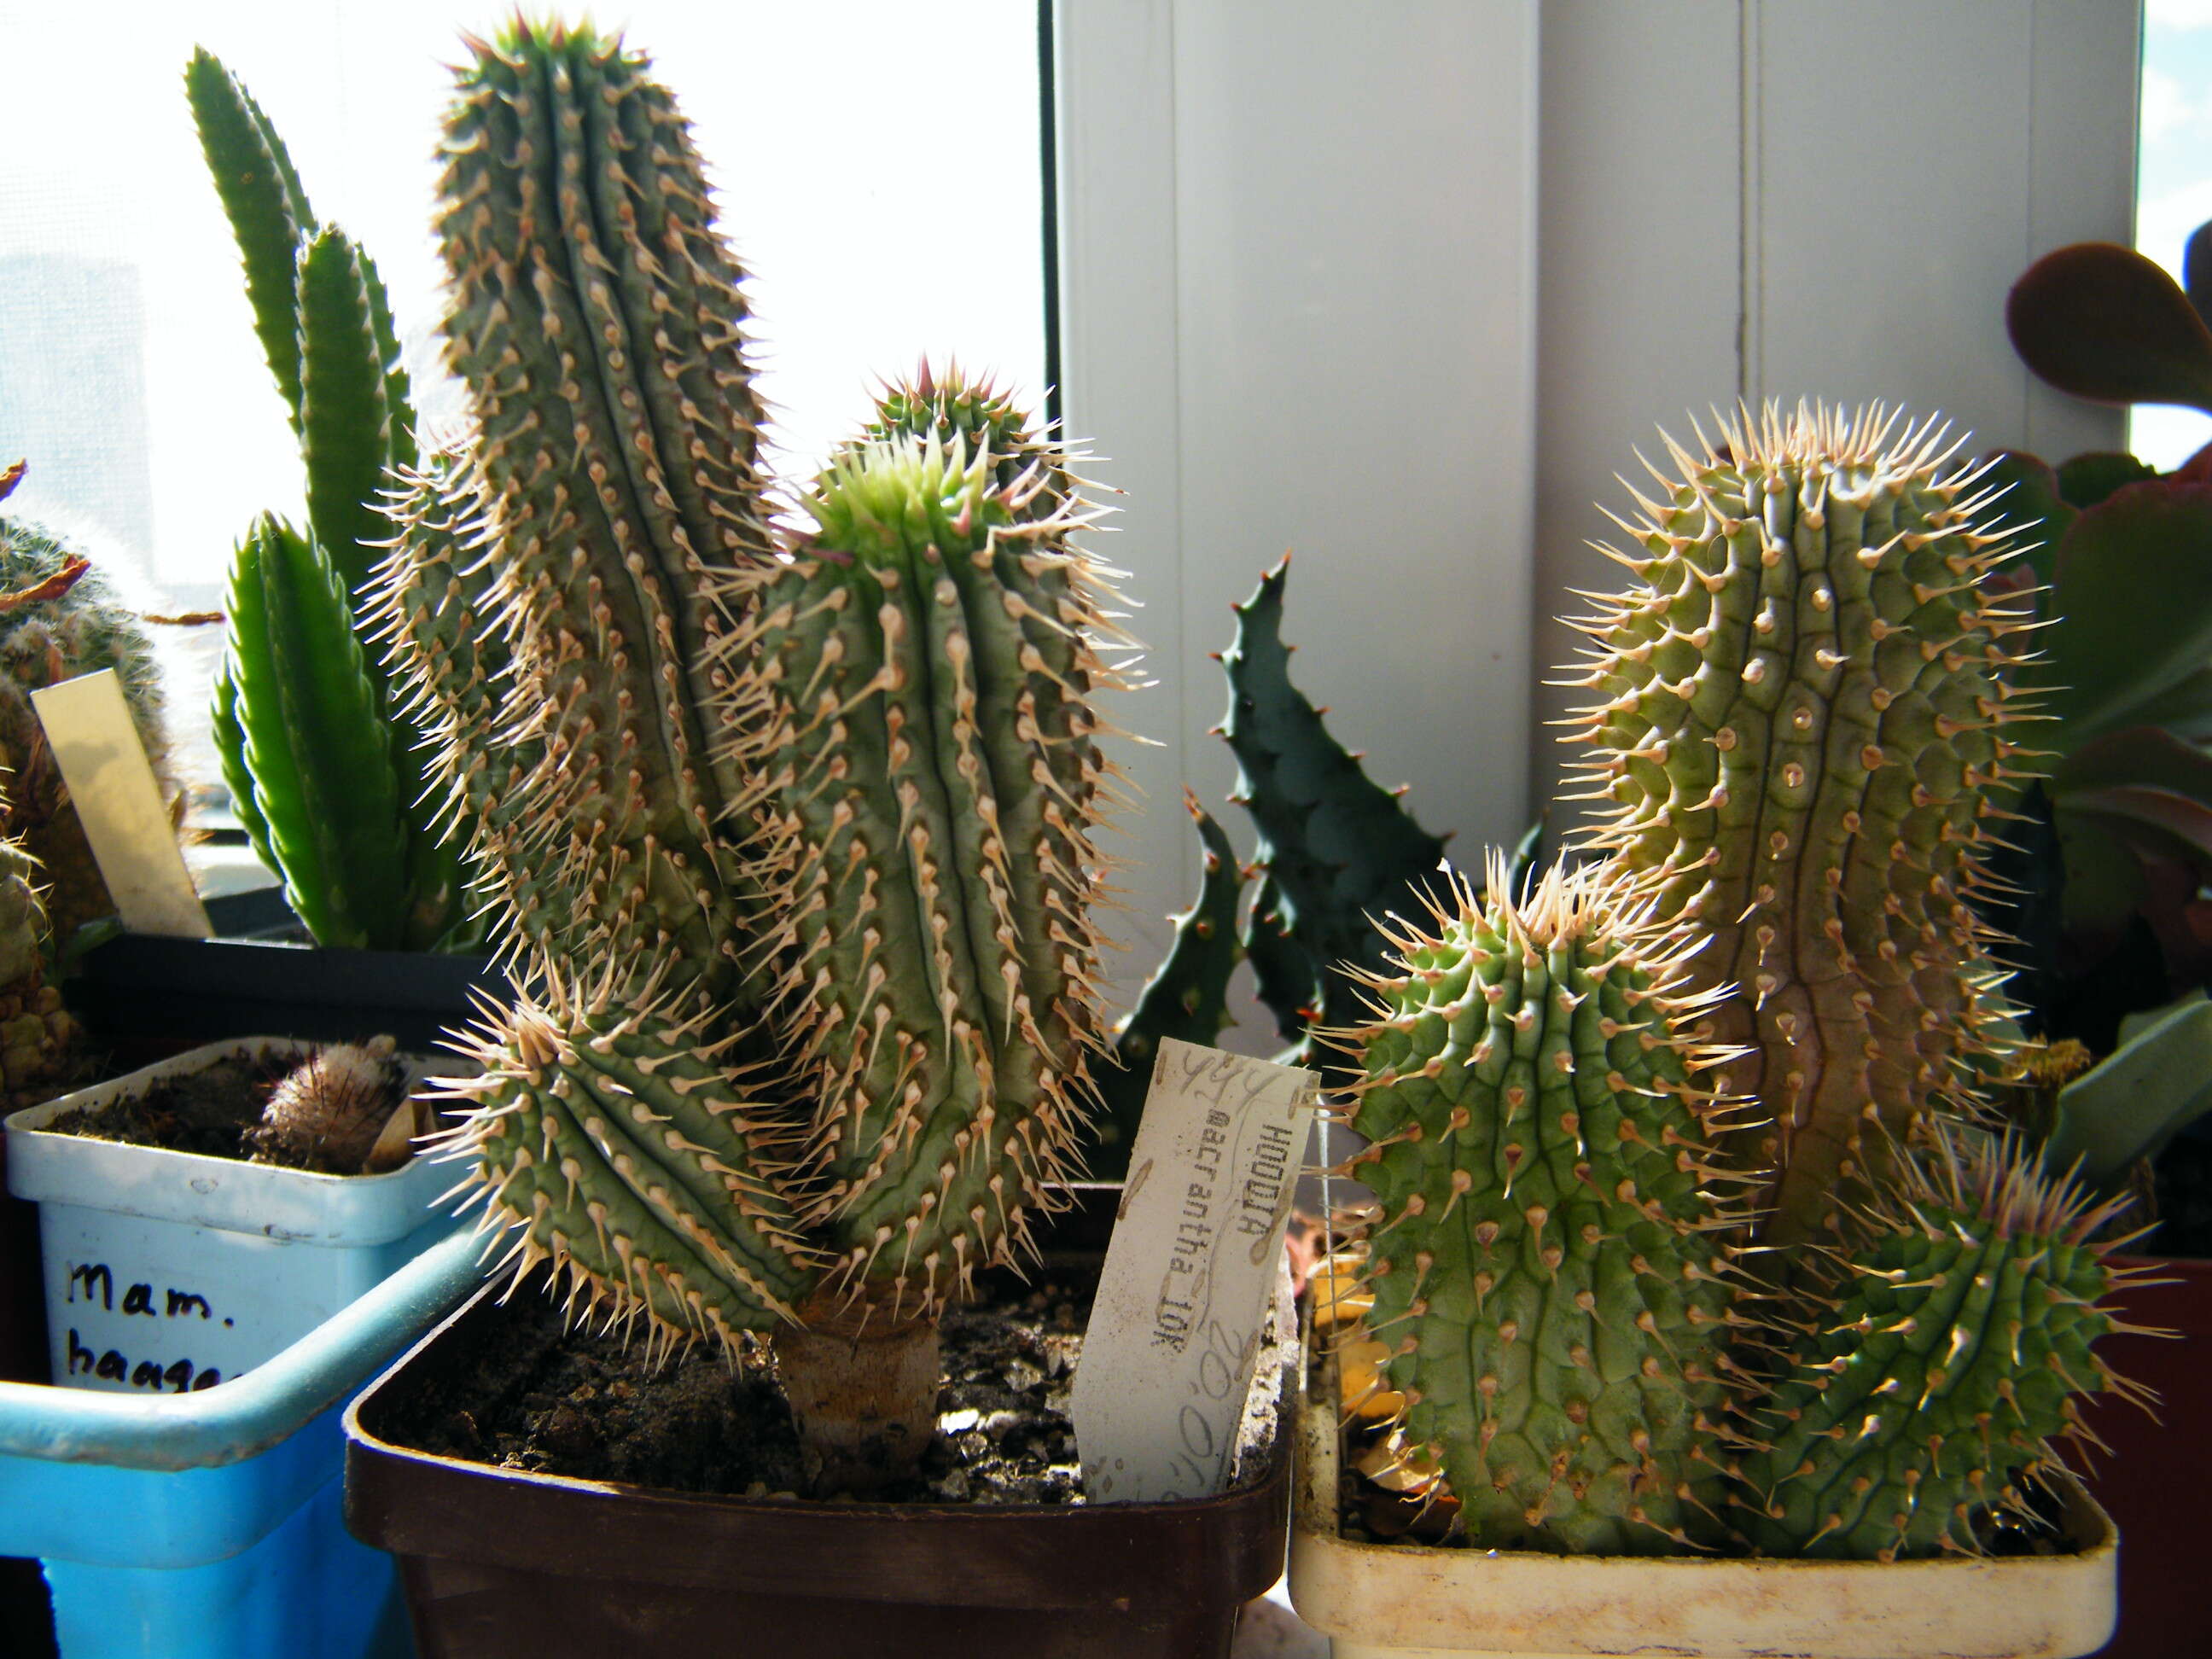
125, 820
1183, 1303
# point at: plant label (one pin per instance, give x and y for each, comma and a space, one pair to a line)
125, 820
1183, 1303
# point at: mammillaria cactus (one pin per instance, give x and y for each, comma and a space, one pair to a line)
1758, 1020
60, 618
788, 835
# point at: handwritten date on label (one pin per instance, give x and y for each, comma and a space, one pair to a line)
1182, 1303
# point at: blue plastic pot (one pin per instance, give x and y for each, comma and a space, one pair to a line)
207, 1525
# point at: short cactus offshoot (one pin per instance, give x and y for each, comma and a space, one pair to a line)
1688, 1237
788, 832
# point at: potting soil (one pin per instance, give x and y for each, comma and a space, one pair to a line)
597, 1405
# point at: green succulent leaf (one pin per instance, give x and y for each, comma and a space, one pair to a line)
2111, 648
268, 210
2104, 323
345, 418
2086, 480
2130, 1104
2031, 497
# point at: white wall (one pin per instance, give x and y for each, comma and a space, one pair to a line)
1399, 286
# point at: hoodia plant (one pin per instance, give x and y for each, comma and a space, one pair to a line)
788, 829
1693, 1234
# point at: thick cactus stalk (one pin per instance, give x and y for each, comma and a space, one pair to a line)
789, 839
1552, 1275
1336, 851
1947, 1355
1800, 718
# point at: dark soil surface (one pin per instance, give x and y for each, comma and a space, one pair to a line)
213, 1112
594, 1406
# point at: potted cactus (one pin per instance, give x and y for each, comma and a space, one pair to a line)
788, 829
324, 766
1693, 1309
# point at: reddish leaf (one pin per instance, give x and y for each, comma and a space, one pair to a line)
2103, 322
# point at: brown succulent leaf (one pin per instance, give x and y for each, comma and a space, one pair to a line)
2102, 322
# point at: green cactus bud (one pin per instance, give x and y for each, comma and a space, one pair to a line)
1551, 1274
1799, 715
1927, 1384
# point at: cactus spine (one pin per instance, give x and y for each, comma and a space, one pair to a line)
281, 719
791, 840
1759, 1020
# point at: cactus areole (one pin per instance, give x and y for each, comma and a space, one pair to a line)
1687, 1235
788, 832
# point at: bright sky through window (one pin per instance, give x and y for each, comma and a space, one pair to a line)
2173, 183
878, 163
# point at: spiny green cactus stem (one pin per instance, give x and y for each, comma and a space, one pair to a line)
1336, 850
62, 619
40, 1044
790, 840
921, 678
314, 756
1929, 1384
1552, 1273
1186, 998
1800, 715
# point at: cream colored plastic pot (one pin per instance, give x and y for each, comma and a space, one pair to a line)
1400, 1601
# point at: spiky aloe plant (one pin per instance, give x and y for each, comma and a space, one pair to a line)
1587, 1161
789, 838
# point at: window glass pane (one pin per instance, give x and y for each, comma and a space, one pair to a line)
878, 163
2173, 190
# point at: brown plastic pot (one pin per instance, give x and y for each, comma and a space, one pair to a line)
503, 1564
2157, 1483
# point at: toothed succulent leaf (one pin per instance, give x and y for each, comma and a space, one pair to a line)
1337, 852
1798, 717
1186, 998
1551, 1274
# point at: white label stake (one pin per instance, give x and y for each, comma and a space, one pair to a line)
125, 820
1182, 1303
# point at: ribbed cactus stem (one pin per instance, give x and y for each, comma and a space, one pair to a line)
1552, 1275
1944, 1358
1800, 717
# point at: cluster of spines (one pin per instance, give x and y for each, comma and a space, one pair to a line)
641, 1164
1932, 1368
1800, 720
1553, 1272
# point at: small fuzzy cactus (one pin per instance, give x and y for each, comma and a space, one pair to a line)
1686, 1237
330, 1111
786, 830
60, 618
